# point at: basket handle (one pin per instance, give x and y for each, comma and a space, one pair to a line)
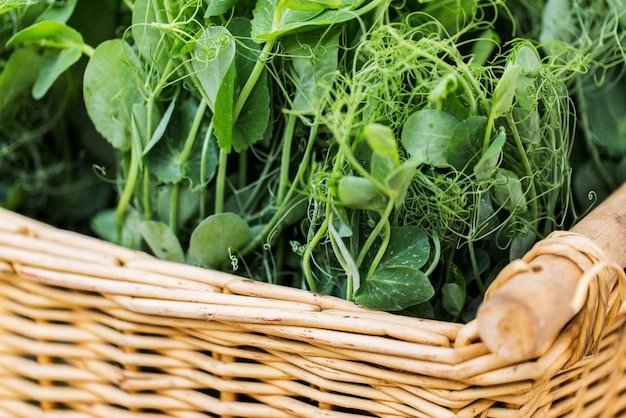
533, 299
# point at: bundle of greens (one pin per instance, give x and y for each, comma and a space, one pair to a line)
396, 154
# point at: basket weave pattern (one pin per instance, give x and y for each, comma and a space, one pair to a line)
89, 329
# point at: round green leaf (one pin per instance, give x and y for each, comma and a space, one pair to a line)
216, 238
394, 288
426, 135
110, 91
408, 246
453, 298
162, 241
360, 193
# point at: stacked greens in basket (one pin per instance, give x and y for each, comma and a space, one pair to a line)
394, 153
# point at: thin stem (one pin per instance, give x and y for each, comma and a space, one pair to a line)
147, 207
475, 269
127, 193
383, 245
284, 208
308, 252
527, 167
286, 158
384, 219
203, 166
247, 88
87, 50
220, 181
193, 132
173, 212
488, 129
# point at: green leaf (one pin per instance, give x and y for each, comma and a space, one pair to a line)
381, 166
556, 23
110, 90
605, 111
188, 201
504, 93
394, 288
509, 192
490, 160
528, 124
314, 59
162, 241
341, 223
426, 135
104, 225
213, 57
149, 40
271, 21
466, 142
49, 34
527, 58
253, 121
522, 242
382, 140
59, 11
385, 157
484, 46
63, 45
157, 134
360, 193
313, 5
216, 238
18, 75
399, 181
214, 63
408, 246
453, 298
448, 84
165, 160
54, 63
218, 7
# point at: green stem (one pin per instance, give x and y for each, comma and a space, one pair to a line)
127, 193
220, 181
383, 245
173, 212
255, 74
308, 253
259, 66
203, 165
254, 243
147, 207
193, 132
522, 152
384, 219
488, 129
87, 50
479, 282
286, 157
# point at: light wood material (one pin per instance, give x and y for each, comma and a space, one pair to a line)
522, 318
89, 329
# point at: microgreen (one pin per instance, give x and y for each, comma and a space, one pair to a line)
395, 154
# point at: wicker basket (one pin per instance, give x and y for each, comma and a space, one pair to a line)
89, 329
